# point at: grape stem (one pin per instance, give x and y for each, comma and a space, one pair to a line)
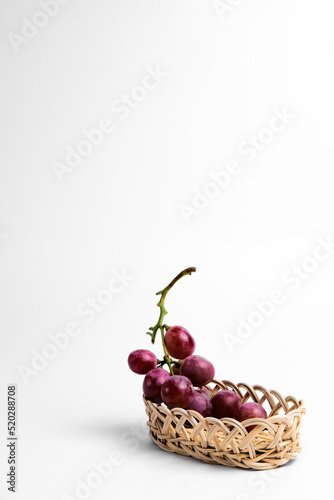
162, 327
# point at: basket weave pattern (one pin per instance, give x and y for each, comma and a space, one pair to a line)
272, 442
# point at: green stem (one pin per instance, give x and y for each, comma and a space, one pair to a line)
163, 312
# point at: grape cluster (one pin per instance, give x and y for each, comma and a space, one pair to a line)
184, 385
178, 390
188, 371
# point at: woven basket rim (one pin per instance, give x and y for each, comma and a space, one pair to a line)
299, 404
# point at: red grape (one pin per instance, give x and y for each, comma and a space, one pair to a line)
179, 342
206, 392
176, 369
177, 391
225, 404
152, 384
199, 370
201, 403
142, 361
250, 410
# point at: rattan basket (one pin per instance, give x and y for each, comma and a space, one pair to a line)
271, 443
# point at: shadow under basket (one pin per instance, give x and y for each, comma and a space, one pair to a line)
271, 443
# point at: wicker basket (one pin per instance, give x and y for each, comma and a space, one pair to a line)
272, 442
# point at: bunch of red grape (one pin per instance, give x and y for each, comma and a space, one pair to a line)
176, 389
188, 372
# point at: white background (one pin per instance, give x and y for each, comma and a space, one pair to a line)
119, 211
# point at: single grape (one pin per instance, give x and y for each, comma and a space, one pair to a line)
250, 410
176, 369
199, 370
179, 342
225, 404
142, 361
153, 382
206, 392
201, 403
177, 391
